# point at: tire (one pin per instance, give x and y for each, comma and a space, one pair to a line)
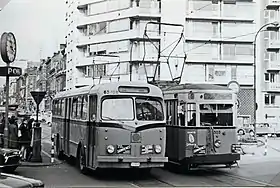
240, 132
59, 153
11, 169
81, 161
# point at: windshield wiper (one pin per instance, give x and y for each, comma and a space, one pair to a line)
124, 125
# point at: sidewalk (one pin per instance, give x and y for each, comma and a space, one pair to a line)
46, 161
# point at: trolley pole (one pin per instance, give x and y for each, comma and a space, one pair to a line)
6, 129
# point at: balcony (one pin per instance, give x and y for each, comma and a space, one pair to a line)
273, 4
274, 65
274, 46
83, 81
110, 37
135, 12
273, 87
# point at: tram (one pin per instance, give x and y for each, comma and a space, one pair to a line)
201, 125
111, 125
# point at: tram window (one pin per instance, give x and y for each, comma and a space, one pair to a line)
79, 107
191, 111
149, 109
111, 109
74, 108
84, 107
216, 114
54, 107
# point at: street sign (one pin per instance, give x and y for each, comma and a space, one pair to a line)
10, 71
38, 96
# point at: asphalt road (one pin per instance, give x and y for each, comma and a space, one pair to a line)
254, 170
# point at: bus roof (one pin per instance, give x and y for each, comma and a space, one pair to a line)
197, 87
94, 89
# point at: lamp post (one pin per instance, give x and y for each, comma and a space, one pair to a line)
275, 24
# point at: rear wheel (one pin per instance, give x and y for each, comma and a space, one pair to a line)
251, 133
59, 153
81, 161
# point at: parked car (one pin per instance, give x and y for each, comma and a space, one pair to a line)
9, 159
15, 181
246, 129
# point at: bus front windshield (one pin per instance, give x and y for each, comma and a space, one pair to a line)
216, 114
147, 109
117, 109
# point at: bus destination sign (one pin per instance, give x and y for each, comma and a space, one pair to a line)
218, 96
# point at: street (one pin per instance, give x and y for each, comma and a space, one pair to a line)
253, 170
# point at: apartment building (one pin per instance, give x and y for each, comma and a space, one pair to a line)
268, 82
218, 42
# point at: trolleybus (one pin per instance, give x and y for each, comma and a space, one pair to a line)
111, 125
201, 125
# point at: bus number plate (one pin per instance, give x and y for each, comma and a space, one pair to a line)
135, 164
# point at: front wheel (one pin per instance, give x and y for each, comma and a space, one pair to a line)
240, 132
81, 161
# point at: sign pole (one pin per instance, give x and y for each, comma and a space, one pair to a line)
6, 130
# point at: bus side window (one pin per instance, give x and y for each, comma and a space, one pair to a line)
93, 108
79, 107
84, 107
62, 108
74, 108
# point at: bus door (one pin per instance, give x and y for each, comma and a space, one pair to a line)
67, 126
92, 129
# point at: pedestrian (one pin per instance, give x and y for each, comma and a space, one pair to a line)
2, 128
13, 133
24, 139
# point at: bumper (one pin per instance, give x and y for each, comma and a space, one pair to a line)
126, 159
213, 159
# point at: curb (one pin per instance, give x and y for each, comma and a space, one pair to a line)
35, 164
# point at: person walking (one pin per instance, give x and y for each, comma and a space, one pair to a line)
24, 139
13, 133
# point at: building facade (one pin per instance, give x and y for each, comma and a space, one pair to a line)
268, 64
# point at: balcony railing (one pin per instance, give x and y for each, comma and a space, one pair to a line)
273, 4
273, 87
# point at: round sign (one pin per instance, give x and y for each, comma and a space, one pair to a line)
191, 138
8, 47
234, 85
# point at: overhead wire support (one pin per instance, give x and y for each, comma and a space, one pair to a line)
158, 48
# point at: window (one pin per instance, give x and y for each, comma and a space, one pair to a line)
211, 72
79, 107
216, 114
63, 107
74, 108
149, 109
110, 109
272, 99
269, 99
215, 28
266, 77
84, 107
272, 77
233, 73
191, 111
272, 56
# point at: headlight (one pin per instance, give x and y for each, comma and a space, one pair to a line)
157, 149
110, 149
218, 143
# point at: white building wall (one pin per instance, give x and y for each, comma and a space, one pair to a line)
268, 86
